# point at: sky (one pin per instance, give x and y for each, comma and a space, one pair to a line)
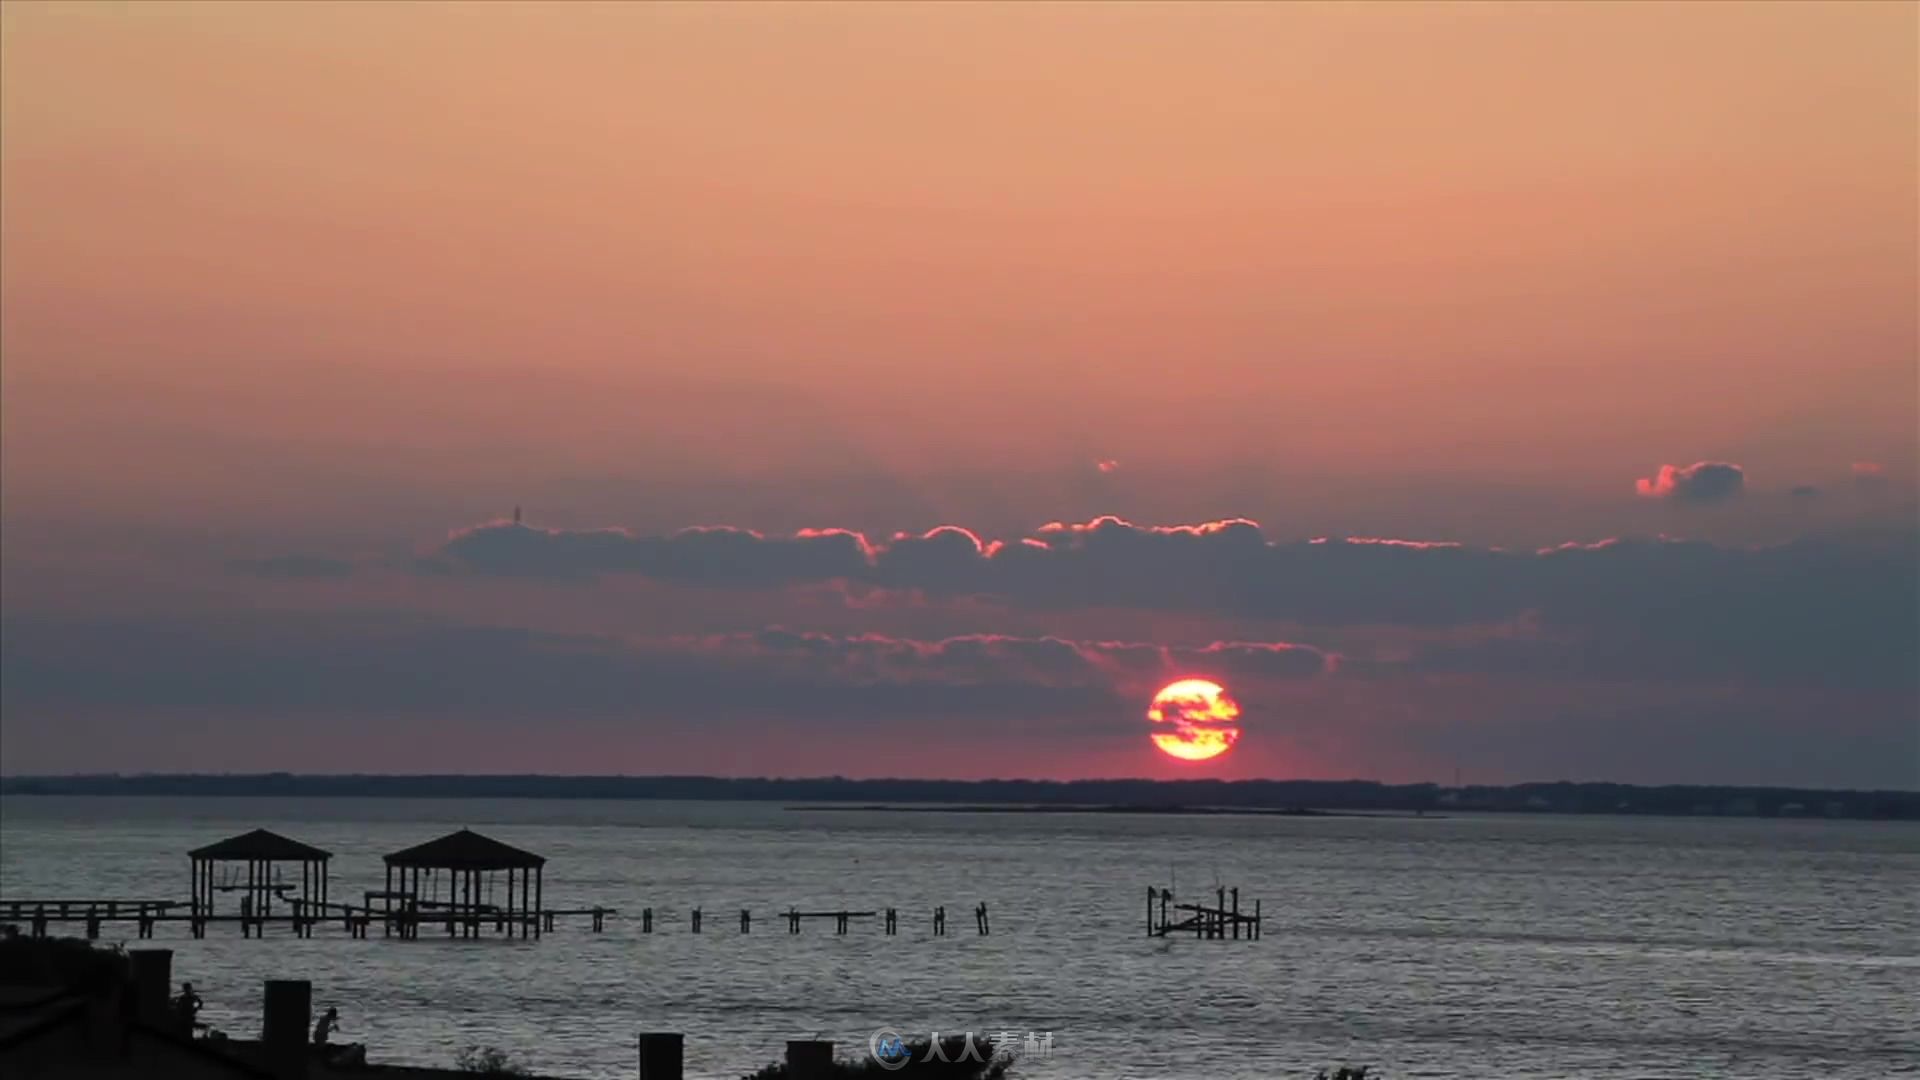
1504, 391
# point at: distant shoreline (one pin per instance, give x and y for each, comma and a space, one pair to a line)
1021, 796
1058, 808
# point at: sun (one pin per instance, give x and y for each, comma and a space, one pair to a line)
1193, 720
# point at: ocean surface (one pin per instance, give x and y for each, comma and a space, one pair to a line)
1466, 946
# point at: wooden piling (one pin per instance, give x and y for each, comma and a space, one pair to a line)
661, 1055
285, 1012
809, 1059
151, 972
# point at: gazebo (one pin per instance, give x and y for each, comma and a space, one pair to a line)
471, 862
260, 850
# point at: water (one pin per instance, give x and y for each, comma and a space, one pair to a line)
1462, 947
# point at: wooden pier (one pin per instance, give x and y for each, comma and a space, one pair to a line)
301, 917
468, 864
405, 920
1222, 920
446, 884
452, 884
842, 919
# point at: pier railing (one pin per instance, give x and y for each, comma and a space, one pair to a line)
403, 915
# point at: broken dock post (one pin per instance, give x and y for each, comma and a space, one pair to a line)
1220, 920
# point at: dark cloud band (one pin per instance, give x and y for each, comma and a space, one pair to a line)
1822, 609
314, 661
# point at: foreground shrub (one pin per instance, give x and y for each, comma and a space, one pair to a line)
487, 1061
68, 963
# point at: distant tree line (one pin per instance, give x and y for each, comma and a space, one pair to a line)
1349, 795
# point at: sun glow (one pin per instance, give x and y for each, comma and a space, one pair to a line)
1193, 720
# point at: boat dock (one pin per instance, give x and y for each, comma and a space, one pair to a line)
464, 884
842, 920
302, 917
1221, 920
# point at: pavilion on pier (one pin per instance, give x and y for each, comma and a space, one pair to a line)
263, 854
457, 880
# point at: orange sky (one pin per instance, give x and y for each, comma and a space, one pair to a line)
1548, 244
289, 293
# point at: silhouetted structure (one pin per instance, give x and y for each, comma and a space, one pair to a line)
468, 863
1218, 921
261, 852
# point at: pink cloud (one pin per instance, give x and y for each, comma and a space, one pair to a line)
1111, 525
1380, 541
1700, 483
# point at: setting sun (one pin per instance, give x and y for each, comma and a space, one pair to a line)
1194, 720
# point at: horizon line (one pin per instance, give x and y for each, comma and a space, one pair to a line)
16, 778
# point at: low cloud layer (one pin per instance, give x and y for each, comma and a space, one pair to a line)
239, 691
293, 567
1823, 610
311, 661
1699, 484
708, 637
973, 657
1870, 477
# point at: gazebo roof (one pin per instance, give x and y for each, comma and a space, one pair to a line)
466, 850
261, 845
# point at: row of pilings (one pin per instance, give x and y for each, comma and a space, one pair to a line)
842, 919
